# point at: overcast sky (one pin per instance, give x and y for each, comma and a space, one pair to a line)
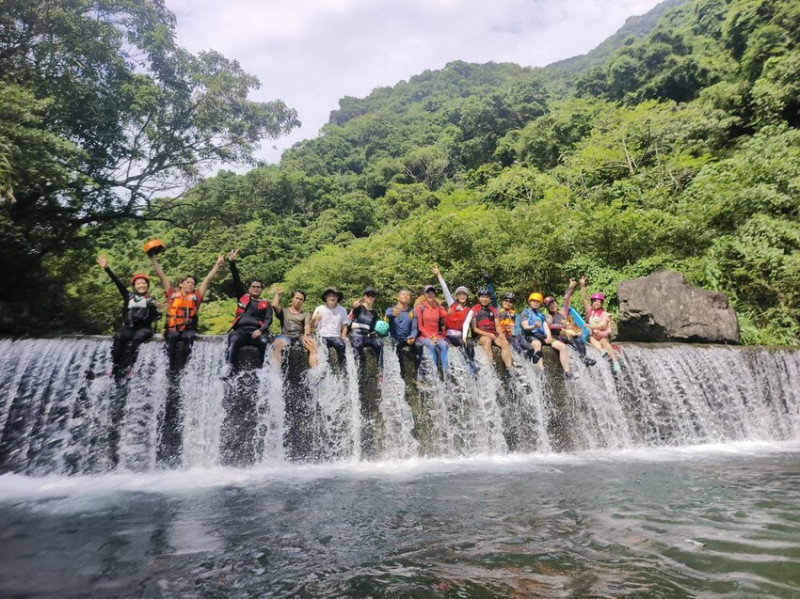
311, 53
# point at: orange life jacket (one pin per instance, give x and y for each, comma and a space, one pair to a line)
508, 322
182, 314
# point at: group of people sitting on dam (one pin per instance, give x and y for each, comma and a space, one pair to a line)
426, 325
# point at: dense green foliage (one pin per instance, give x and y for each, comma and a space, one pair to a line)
677, 147
100, 111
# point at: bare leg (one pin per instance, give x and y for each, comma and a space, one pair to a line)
486, 344
505, 350
277, 350
563, 354
537, 349
595, 343
609, 348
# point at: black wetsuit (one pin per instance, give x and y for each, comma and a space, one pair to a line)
139, 312
255, 314
362, 332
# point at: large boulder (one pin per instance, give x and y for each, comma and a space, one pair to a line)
664, 307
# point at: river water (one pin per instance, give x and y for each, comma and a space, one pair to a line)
716, 520
679, 477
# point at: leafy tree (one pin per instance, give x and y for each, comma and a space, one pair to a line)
139, 114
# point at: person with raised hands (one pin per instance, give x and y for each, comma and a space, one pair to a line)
183, 303
599, 323
139, 313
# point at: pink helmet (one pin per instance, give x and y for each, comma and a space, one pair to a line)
548, 300
598, 296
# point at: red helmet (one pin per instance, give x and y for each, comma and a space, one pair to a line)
548, 300
140, 275
598, 296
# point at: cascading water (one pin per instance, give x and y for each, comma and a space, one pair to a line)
60, 412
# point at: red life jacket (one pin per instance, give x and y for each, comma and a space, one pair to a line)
456, 315
264, 308
182, 312
484, 317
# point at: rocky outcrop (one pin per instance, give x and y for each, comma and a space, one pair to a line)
664, 307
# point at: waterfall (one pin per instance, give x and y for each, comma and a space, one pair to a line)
61, 412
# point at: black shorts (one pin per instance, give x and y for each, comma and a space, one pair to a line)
537, 336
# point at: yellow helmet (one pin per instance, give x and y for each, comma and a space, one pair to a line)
535, 296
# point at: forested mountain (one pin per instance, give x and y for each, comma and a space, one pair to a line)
677, 148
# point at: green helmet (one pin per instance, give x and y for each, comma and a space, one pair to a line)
382, 328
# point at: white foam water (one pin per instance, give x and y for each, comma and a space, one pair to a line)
60, 412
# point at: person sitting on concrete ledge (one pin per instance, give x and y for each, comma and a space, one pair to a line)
253, 316
485, 322
430, 324
183, 304
538, 333
139, 312
511, 326
456, 324
295, 326
363, 319
403, 327
561, 323
330, 321
599, 323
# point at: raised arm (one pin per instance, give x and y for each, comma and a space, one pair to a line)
467, 322
448, 298
102, 260
210, 276
587, 307
568, 296
157, 267
238, 288
276, 299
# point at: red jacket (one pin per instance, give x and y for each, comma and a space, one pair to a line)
430, 320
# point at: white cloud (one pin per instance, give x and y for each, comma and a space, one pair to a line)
310, 54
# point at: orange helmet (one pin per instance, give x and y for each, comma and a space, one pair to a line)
535, 296
154, 246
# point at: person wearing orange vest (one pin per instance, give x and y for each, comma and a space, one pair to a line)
182, 306
139, 312
253, 316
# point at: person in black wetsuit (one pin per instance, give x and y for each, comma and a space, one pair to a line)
362, 325
139, 312
253, 316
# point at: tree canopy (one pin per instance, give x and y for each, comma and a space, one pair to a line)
101, 113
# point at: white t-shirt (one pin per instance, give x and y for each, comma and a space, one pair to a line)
331, 321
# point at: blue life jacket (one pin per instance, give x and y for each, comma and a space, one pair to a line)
535, 319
